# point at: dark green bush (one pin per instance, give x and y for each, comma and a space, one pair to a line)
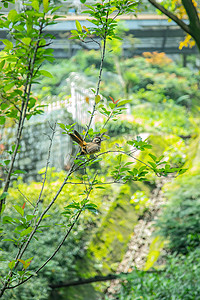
179, 280
180, 220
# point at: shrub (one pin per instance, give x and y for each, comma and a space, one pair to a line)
179, 280
180, 222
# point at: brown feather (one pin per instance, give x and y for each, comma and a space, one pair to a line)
74, 138
92, 148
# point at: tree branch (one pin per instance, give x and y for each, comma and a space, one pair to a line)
192, 14
53, 128
173, 17
97, 278
24, 106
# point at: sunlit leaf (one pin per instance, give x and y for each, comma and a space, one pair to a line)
46, 5
97, 99
9, 44
11, 264
26, 231
19, 209
12, 15
78, 26
46, 73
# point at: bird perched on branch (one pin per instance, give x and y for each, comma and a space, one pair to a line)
86, 148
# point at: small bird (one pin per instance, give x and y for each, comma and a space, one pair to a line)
86, 148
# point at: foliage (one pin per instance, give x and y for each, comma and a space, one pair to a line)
109, 243
157, 59
20, 67
29, 223
141, 79
166, 117
179, 222
179, 279
27, 229
48, 235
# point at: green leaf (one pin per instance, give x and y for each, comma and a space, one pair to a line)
19, 209
90, 6
4, 105
46, 5
3, 195
26, 231
123, 102
8, 86
31, 103
112, 105
2, 208
7, 220
97, 99
8, 240
62, 126
182, 171
2, 120
29, 259
35, 5
103, 130
11, 264
78, 26
13, 15
153, 157
91, 207
19, 172
9, 44
26, 41
30, 217
2, 63
46, 73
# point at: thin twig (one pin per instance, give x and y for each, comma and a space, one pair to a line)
25, 197
53, 128
100, 76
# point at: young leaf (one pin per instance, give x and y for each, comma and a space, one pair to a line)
124, 102
12, 15
78, 26
62, 126
9, 45
11, 264
46, 5
19, 209
35, 5
97, 99
2, 120
153, 156
46, 73
26, 41
21, 260
3, 195
26, 231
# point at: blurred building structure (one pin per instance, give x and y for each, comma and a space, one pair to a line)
152, 32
